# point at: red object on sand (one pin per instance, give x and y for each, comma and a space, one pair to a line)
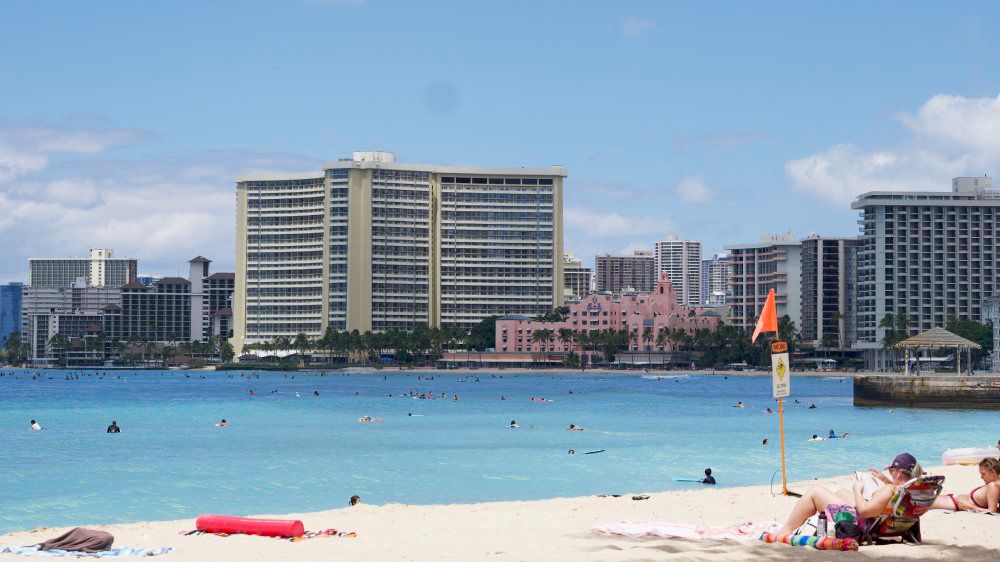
248, 526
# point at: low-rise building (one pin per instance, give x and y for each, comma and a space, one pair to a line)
644, 316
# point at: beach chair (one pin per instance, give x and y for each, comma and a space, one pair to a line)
901, 517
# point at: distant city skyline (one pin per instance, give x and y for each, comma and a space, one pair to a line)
713, 122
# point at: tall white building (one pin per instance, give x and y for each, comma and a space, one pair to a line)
576, 278
773, 263
372, 244
681, 260
101, 269
716, 280
930, 255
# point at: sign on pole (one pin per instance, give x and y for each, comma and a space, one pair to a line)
781, 372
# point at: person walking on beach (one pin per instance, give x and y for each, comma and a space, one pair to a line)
113, 428
35, 426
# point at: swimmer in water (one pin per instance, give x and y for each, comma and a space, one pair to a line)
113, 428
571, 452
816, 438
709, 479
768, 411
831, 435
35, 426
812, 406
513, 425
355, 500
738, 405
315, 393
766, 443
222, 423
574, 427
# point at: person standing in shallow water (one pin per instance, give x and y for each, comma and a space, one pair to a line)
709, 479
113, 428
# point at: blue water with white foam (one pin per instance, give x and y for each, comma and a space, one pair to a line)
287, 453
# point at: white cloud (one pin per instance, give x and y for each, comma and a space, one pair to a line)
612, 224
692, 189
26, 148
949, 136
636, 27
162, 211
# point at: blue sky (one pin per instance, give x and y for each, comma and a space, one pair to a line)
122, 124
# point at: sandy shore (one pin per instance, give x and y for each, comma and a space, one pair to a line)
556, 529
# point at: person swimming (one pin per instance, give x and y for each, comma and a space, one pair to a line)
355, 500
832, 435
709, 479
571, 452
738, 405
513, 425
768, 411
574, 427
113, 428
812, 406
765, 442
35, 426
816, 438
222, 423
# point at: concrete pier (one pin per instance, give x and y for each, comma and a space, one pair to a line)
981, 392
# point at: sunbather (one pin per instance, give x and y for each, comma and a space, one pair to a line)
983, 499
817, 498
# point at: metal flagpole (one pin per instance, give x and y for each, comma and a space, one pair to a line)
781, 429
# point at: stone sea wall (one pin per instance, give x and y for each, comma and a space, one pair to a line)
932, 391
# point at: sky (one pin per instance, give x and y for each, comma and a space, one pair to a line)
123, 123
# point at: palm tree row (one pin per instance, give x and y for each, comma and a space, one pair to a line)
420, 345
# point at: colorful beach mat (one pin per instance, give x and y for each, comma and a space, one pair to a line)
305, 536
819, 543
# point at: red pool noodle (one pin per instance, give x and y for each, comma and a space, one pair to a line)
248, 526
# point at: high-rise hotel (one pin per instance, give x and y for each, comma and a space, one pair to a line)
372, 244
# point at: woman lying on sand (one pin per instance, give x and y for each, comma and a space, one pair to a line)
982, 499
903, 468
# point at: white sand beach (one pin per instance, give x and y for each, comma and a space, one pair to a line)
556, 529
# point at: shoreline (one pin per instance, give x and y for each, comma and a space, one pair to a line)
551, 529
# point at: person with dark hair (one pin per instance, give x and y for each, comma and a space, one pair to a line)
355, 500
709, 479
113, 428
35, 426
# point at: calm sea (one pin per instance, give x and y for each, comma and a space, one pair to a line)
287, 450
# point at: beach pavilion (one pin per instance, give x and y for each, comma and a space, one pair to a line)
938, 338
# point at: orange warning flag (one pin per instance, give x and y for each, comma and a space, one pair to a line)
768, 321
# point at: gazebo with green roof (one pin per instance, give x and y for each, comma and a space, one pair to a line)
939, 338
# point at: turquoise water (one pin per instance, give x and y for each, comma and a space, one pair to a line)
284, 453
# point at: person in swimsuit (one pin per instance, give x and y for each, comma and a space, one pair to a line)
981, 499
113, 428
903, 468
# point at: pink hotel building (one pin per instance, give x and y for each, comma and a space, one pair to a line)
657, 310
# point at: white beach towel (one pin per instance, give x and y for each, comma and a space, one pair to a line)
743, 532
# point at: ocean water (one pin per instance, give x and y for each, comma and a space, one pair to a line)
287, 452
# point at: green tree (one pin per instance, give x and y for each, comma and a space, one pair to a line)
226, 351
483, 335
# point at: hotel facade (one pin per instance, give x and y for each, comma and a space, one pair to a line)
773, 263
372, 244
930, 255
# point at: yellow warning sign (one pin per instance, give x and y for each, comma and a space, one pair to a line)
780, 367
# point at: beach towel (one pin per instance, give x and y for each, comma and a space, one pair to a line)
305, 536
743, 532
819, 543
80, 539
110, 553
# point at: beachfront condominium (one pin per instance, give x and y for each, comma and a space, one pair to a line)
576, 279
829, 291
929, 255
170, 311
681, 260
10, 309
372, 244
625, 273
716, 280
772, 263
101, 269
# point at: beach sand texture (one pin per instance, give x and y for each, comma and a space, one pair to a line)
556, 529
